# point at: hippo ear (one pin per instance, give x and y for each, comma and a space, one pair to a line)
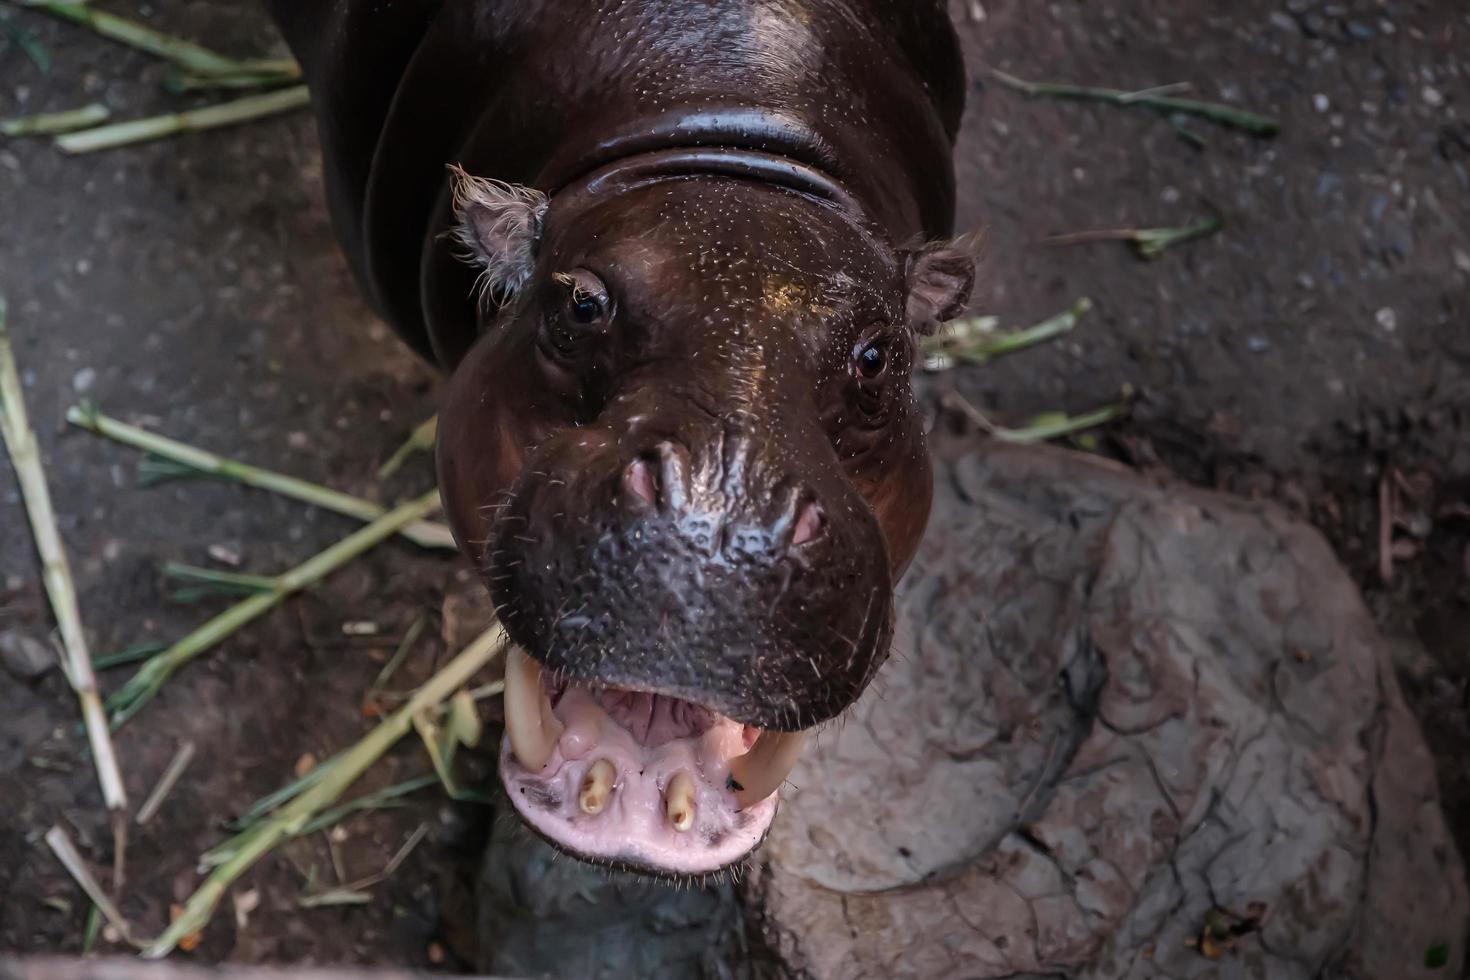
498, 224
939, 277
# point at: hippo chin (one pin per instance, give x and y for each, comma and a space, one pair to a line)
677, 273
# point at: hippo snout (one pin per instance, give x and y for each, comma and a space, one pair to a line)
658, 482
719, 571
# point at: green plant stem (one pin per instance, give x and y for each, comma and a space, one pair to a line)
129, 655
967, 340
142, 686
1054, 427
33, 49
185, 54
423, 533
25, 456
190, 121
382, 799
405, 647
1226, 115
1149, 242
189, 573
263, 806
50, 123
180, 82
420, 440
259, 840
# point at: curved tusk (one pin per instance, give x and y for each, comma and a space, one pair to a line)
761, 771
529, 724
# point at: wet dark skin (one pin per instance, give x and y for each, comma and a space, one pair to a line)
680, 318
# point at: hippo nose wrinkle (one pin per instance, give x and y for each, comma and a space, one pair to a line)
808, 525
658, 479
640, 480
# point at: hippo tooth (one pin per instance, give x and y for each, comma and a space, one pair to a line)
532, 728
596, 786
758, 773
679, 801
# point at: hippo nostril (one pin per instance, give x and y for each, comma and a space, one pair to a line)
641, 480
808, 525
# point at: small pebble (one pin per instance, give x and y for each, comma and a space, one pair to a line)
83, 380
1387, 319
1432, 96
225, 555
1321, 103
25, 656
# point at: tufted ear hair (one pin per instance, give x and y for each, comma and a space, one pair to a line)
939, 277
499, 225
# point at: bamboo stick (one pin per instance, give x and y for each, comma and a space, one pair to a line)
185, 54
424, 533
255, 843
51, 123
189, 121
20, 443
179, 82
129, 699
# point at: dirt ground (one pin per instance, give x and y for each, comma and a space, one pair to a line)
1315, 349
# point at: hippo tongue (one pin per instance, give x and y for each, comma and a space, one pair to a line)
638, 780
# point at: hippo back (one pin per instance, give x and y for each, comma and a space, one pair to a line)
870, 92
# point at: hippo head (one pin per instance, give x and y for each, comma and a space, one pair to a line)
685, 455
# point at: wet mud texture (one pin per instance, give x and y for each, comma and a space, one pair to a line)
194, 284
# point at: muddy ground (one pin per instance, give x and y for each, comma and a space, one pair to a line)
1316, 347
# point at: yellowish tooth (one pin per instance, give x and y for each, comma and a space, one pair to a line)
596, 786
679, 801
532, 728
761, 771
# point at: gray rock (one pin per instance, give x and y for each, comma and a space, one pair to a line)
25, 656
1117, 711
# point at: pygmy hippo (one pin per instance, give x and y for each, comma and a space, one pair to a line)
675, 257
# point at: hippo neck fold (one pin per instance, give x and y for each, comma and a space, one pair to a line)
674, 162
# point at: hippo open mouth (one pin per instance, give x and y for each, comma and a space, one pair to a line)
639, 781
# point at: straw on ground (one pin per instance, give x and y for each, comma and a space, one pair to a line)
51, 123
1149, 242
185, 54
1043, 428
71, 859
171, 775
425, 533
354, 893
129, 699
20, 443
250, 846
1152, 98
420, 440
189, 121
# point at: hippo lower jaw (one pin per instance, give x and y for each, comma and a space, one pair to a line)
640, 781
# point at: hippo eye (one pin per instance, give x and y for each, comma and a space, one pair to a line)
584, 308
586, 299
872, 361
